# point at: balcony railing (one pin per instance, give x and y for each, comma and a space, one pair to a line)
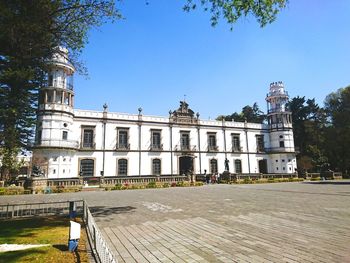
280, 149
213, 148
156, 147
60, 84
260, 149
280, 109
185, 148
277, 93
122, 147
57, 143
87, 145
237, 149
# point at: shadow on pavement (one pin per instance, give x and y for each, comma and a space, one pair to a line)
328, 182
98, 211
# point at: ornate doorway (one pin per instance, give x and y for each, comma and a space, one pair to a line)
186, 165
263, 166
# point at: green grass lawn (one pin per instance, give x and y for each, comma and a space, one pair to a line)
52, 230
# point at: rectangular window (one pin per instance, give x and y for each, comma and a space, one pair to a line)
185, 140
50, 80
87, 167
64, 135
123, 140
156, 140
156, 166
122, 167
281, 143
212, 142
39, 135
88, 138
236, 143
238, 166
260, 143
213, 166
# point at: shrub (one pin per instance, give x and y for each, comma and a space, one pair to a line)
180, 184
247, 181
199, 184
151, 185
271, 180
166, 185
135, 186
173, 184
186, 183
315, 179
117, 187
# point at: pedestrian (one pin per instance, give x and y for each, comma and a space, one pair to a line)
213, 178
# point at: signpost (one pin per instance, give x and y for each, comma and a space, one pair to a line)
74, 236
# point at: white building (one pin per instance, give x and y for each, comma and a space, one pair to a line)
72, 142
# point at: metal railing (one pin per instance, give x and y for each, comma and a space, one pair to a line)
60, 84
156, 147
99, 246
213, 148
185, 148
280, 149
97, 242
87, 146
236, 149
11, 211
122, 146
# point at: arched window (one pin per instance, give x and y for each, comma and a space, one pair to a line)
156, 167
238, 166
87, 167
213, 166
122, 167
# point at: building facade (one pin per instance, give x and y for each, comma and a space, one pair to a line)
72, 142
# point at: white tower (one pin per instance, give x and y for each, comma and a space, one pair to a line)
54, 144
281, 131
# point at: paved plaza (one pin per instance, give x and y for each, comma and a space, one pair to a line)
282, 222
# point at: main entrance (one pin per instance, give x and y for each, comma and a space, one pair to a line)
186, 165
263, 166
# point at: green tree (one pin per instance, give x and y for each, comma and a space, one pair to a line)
309, 125
30, 33
265, 11
248, 113
337, 108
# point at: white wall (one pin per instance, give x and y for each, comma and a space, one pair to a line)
53, 126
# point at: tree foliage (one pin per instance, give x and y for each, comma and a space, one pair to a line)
265, 11
337, 108
309, 133
248, 113
30, 33
323, 134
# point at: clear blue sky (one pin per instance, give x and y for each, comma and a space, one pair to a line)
159, 53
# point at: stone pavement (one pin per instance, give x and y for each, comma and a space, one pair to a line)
282, 222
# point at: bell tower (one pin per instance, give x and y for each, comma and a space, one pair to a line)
55, 139
279, 119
